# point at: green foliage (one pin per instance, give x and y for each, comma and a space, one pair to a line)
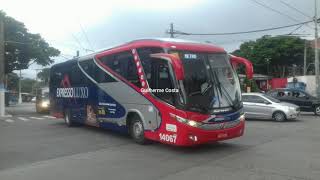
12, 80
23, 48
281, 51
249, 83
44, 75
27, 85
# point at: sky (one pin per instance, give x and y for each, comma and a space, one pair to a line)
71, 25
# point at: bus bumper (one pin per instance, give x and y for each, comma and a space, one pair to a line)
195, 136
190, 136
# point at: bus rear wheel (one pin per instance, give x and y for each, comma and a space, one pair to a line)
67, 119
137, 131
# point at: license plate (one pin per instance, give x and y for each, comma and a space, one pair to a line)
222, 135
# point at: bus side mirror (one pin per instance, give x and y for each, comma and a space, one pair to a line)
174, 61
235, 61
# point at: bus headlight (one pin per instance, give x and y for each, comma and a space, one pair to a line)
45, 104
186, 121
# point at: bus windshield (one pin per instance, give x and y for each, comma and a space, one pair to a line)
210, 82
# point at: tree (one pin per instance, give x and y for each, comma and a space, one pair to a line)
27, 85
12, 81
23, 48
279, 53
44, 75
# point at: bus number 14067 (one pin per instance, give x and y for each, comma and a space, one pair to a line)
168, 138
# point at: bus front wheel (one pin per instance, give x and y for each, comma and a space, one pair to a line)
137, 131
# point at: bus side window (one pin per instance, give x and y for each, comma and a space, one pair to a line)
162, 80
87, 67
96, 72
123, 64
55, 77
144, 54
76, 77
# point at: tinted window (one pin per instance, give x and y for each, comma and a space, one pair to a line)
253, 99
273, 93
271, 98
76, 76
280, 93
298, 94
288, 93
88, 67
161, 80
95, 72
55, 77
144, 54
123, 64
245, 98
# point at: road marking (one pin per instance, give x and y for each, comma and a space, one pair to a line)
49, 117
38, 118
9, 120
23, 119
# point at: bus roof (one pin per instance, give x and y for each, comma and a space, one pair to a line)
171, 43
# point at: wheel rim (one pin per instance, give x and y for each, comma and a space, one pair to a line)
318, 110
137, 129
278, 116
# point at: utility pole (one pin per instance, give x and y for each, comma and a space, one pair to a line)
20, 97
305, 58
36, 83
316, 55
2, 70
77, 54
171, 32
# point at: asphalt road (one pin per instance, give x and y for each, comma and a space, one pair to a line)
37, 147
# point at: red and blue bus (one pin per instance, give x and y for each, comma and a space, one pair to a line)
167, 90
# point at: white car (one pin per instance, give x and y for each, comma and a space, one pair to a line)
262, 106
33, 99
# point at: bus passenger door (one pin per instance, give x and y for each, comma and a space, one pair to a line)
161, 81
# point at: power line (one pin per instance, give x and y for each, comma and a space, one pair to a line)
253, 39
77, 41
293, 8
241, 32
296, 29
274, 10
85, 35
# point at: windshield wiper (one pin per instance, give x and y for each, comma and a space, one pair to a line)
222, 89
210, 85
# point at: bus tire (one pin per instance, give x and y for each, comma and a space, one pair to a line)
67, 119
137, 130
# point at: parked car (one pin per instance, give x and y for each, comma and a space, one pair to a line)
262, 106
33, 99
305, 101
